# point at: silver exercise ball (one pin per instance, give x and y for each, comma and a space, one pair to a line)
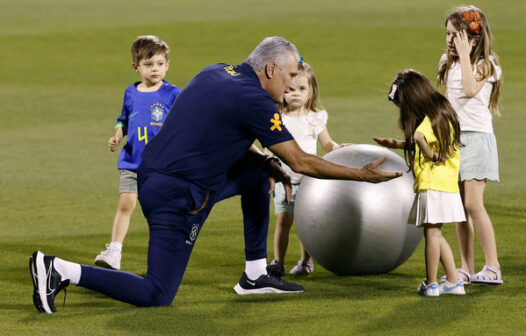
354, 228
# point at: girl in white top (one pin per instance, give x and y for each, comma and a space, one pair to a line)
471, 74
308, 124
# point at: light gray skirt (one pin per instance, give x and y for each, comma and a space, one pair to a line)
479, 158
280, 199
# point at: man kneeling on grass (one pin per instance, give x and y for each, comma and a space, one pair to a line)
203, 154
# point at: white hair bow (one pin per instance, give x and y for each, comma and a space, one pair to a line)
393, 92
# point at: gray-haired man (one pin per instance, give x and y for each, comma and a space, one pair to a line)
203, 154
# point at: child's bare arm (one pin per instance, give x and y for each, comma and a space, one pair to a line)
390, 143
115, 140
421, 142
327, 143
471, 83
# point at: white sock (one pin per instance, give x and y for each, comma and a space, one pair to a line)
115, 245
256, 268
68, 270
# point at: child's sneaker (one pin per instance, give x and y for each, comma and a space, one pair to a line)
111, 258
447, 287
302, 268
429, 290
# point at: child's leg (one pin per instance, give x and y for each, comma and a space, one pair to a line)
474, 205
121, 222
111, 257
448, 261
465, 234
167, 260
305, 256
281, 235
433, 237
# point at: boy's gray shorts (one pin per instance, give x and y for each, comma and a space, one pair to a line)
128, 181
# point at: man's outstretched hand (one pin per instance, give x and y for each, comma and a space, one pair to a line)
372, 172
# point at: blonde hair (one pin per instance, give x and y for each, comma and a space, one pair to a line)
482, 50
147, 46
313, 104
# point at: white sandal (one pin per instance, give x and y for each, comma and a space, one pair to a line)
487, 277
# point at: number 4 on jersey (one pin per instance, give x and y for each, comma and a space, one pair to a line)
143, 137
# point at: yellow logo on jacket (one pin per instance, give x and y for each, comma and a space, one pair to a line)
275, 122
230, 70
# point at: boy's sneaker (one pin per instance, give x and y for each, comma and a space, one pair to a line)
428, 290
110, 258
46, 282
302, 268
276, 269
265, 284
447, 287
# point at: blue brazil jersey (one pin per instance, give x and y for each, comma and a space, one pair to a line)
211, 125
142, 116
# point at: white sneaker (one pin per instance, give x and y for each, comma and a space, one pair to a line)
452, 288
110, 258
429, 290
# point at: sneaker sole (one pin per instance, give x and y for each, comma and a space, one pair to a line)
453, 293
265, 290
431, 294
42, 283
105, 264
36, 298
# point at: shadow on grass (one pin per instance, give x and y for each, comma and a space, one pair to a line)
418, 315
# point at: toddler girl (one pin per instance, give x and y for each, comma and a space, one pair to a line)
308, 124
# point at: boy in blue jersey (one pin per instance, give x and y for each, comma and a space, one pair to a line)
203, 154
146, 105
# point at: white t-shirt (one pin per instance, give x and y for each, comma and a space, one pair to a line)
305, 130
473, 113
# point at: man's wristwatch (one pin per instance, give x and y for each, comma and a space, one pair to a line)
268, 160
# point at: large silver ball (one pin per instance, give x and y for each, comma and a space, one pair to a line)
352, 227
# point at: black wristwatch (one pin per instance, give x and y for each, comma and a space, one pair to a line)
268, 159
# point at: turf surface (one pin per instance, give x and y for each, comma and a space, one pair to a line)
64, 68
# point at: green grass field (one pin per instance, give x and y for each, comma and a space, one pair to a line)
64, 66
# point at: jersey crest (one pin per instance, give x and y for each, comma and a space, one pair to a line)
157, 111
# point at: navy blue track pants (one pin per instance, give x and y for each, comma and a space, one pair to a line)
176, 210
